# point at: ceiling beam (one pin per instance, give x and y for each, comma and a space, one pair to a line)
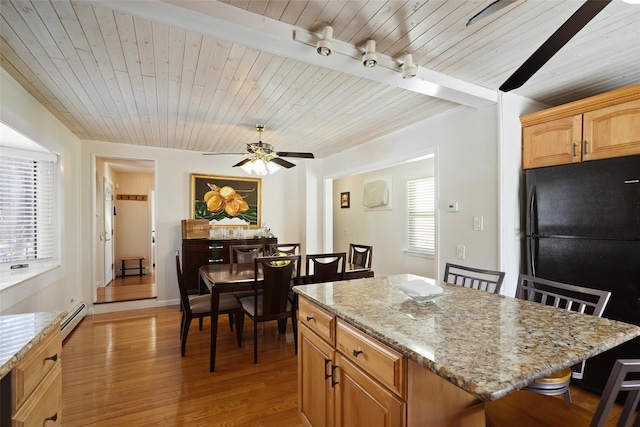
226, 22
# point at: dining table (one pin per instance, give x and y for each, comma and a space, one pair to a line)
221, 278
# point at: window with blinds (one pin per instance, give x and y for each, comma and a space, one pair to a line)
421, 219
27, 208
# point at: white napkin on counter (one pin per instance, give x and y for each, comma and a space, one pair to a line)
420, 287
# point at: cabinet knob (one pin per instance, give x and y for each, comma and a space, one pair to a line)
52, 358
357, 353
574, 150
584, 149
309, 318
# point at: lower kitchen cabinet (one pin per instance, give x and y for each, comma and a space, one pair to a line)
343, 390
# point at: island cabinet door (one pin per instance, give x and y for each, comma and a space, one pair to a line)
362, 401
316, 369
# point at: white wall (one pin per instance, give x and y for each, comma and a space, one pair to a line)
51, 291
383, 228
465, 141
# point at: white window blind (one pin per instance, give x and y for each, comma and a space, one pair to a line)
421, 215
27, 210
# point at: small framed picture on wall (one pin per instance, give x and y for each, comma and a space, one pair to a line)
344, 200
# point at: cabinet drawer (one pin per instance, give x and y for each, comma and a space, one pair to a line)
318, 320
381, 362
31, 369
44, 406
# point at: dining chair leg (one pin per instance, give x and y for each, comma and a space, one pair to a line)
282, 326
184, 336
182, 320
255, 341
231, 322
200, 323
239, 317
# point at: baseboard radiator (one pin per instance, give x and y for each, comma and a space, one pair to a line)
73, 318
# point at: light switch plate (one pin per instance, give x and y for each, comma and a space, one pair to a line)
460, 250
478, 223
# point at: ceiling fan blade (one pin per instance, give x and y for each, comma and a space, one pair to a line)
282, 163
220, 154
294, 154
570, 28
492, 8
241, 163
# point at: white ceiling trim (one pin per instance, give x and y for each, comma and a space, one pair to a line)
223, 21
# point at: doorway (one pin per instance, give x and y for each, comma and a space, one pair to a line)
125, 230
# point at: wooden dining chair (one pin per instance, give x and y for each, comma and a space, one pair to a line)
475, 278
325, 267
283, 248
526, 409
199, 307
361, 255
272, 303
567, 297
245, 254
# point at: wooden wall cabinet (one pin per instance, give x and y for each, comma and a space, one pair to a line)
36, 385
598, 127
198, 252
346, 378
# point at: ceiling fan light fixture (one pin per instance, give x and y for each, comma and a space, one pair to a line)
324, 44
370, 58
409, 69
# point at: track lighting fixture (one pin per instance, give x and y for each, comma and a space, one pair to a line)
369, 58
409, 69
324, 44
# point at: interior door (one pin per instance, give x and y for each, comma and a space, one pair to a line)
108, 232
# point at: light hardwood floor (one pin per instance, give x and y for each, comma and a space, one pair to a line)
125, 369
128, 288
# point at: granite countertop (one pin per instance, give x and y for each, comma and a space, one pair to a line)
489, 345
19, 333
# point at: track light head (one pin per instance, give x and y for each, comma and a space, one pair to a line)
409, 69
369, 58
324, 44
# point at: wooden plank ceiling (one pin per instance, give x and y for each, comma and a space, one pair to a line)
162, 79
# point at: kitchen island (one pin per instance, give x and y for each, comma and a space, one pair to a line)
432, 363
31, 369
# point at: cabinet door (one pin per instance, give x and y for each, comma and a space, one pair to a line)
612, 132
361, 401
552, 143
316, 359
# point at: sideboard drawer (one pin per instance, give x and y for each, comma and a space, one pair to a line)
35, 365
381, 362
44, 406
318, 320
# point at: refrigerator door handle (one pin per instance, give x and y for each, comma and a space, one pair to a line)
530, 225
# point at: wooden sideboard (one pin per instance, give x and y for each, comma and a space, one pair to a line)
198, 252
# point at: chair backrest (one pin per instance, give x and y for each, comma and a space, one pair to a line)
184, 295
278, 273
245, 254
616, 383
325, 267
476, 278
360, 255
285, 248
564, 296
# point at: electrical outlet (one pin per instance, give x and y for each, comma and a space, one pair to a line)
460, 250
478, 223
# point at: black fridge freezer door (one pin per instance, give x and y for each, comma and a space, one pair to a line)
601, 264
591, 199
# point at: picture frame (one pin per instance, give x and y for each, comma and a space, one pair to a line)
239, 206
345, 200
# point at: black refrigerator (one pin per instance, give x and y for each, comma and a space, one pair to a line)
582, 227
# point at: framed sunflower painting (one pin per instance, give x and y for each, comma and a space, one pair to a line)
226, 200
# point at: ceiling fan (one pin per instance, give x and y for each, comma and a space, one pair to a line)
263, 159
552, 45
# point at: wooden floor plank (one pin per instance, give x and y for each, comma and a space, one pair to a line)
125, 369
